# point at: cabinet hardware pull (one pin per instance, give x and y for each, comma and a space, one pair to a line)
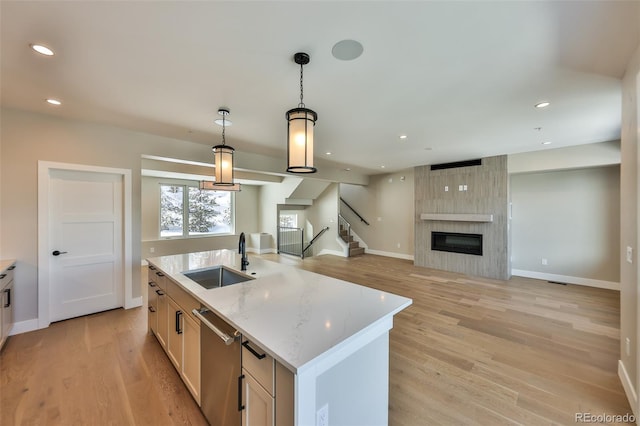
240, 405
152, 284
225, 337
2, 276
160, 274
160, 292
152, 309
11, 268
8, 291
153, 268
253, 351
58, 252
178, 315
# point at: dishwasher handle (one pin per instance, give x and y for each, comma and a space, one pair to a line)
228, 340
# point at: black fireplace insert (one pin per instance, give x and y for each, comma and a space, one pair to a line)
457, 242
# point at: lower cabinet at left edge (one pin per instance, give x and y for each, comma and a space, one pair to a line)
178, 332
6, 303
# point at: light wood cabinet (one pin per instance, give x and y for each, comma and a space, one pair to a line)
176, 328
259, 404
163, 319
152, 300
6, 303
267, 389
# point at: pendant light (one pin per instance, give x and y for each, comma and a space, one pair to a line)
301, 121
223, 159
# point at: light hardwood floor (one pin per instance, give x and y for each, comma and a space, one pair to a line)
468, 351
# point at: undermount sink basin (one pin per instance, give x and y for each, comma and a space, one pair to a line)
216, 277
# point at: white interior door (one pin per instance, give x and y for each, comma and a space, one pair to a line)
86, 243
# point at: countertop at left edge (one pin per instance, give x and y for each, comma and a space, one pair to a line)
5, 263
294, 315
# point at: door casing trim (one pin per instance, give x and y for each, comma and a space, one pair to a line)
44, 184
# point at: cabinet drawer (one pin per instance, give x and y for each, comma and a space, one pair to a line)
182, 298
259, 364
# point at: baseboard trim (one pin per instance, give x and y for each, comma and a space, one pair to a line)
24, 326
610, 285
135, 302
332, 252
261, 251
627, 384
389, 254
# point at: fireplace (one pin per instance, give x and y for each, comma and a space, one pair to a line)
457, 243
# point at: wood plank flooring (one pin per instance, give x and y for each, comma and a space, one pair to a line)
469, 351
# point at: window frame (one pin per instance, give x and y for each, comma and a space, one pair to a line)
185, 213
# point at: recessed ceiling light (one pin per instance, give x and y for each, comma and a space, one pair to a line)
54, 102
403, 137
382, 167
43, 50
347, 169
328, 153
347, 50
546, 143
542, 104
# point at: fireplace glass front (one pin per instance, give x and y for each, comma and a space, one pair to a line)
457, 243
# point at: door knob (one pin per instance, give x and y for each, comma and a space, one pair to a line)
58, 253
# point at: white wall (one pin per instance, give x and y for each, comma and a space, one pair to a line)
270, 195
387, 203
571, 218
324, 212
629, 217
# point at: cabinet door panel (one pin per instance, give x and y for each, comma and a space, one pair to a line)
163, 320
174, 337
258, 402
191, 355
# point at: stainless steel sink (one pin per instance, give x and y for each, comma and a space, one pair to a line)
216, 277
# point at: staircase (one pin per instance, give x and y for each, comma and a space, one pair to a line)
345, 233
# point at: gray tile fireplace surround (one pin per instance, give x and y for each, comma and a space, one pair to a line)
443, 205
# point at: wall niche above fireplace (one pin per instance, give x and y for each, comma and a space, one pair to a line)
456, 242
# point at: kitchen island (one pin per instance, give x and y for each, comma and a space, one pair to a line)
331, 334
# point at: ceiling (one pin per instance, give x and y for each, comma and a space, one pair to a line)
460, 79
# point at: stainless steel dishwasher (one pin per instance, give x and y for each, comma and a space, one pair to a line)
220, 371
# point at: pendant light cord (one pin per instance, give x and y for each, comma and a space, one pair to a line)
224, 114
301, 104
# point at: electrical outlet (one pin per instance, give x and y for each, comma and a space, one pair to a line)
464, 187
446, 189
544, 261
152, 250
629, 254
322, 416
627, 346
398, 245
460, 188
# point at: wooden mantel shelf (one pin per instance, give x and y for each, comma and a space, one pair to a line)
457, 217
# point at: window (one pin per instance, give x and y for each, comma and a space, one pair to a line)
288, 220
203, 212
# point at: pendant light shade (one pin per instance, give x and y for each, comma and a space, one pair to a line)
301, 121
223, 159
300, 136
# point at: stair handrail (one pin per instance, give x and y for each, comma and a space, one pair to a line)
354, 211
322, 231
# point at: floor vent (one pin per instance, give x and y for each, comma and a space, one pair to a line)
477, 162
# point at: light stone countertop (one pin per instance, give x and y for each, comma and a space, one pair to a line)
296, 316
